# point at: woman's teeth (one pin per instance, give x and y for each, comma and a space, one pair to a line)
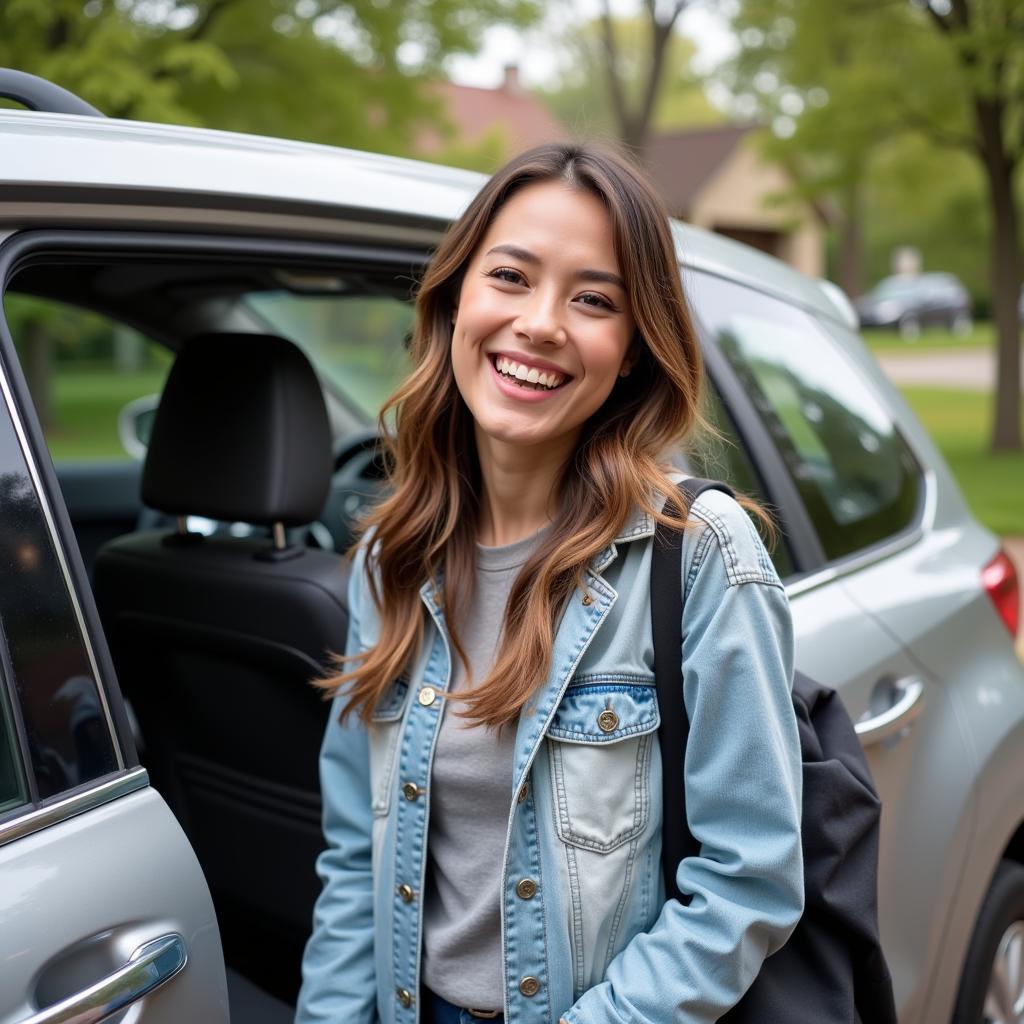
546, 380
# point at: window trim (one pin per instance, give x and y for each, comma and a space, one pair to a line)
20, 822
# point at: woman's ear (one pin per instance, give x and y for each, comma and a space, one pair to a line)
632, 355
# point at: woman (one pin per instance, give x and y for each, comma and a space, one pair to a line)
501, 855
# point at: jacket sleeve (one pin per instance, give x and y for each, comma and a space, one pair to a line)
338, 975
743, 791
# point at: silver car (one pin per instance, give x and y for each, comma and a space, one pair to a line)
159, 805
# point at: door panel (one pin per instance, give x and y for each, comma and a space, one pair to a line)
93, 865
79, 897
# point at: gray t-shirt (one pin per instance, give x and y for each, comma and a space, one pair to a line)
471, 793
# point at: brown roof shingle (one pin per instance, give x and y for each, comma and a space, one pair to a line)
681, 162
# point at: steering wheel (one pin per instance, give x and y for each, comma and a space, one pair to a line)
355, 483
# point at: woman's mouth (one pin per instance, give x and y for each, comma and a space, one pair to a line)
529, 378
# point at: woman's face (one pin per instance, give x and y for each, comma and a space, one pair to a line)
543, 326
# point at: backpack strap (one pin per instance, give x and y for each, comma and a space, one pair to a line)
677, 841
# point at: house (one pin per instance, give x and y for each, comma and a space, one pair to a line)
510, 117
714, 178
710, 177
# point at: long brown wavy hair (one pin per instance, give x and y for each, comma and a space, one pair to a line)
428, 520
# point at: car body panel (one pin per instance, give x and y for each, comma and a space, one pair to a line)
80, 895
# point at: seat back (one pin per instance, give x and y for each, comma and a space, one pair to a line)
215, 638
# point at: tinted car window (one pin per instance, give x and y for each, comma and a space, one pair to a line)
12, 785
854, 472
65, 728
726, 459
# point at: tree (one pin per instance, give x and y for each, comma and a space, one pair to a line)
344, 73
579, 97
632, 69
859, 72
985, 38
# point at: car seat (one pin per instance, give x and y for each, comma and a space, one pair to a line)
215, 638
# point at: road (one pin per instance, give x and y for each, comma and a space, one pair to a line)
970, 370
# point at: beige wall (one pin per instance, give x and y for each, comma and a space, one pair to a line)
732, 198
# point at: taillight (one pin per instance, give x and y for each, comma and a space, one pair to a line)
1000, 580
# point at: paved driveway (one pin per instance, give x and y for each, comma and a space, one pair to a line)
970, 370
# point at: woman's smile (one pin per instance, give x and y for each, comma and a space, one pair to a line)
524, 380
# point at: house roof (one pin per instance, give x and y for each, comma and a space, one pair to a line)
519, 115
682, 162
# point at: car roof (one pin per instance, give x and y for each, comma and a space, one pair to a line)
107, 157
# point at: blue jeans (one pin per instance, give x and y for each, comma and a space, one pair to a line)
440, 1011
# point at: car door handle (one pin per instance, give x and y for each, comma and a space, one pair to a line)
907, 706
152, 964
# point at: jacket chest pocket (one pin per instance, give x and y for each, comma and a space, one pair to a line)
599, 746
384, 730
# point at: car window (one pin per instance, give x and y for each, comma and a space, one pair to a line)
66, 731
82, 369
357, 341
855, 474
726, 459
12, 784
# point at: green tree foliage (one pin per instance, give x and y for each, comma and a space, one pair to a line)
580, 97
341, 73
840, 79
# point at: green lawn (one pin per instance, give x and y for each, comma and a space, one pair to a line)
959, 422
86, 405
931, 338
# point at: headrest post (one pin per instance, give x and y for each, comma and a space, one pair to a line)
279, 538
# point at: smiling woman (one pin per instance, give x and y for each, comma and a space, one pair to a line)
491, 770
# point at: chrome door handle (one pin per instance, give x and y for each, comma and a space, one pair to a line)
152, 964
895, 719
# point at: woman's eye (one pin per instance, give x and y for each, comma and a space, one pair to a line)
507, 274
598, 301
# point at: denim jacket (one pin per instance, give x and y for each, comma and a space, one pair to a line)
589, 937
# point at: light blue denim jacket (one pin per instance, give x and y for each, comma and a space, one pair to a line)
595, 943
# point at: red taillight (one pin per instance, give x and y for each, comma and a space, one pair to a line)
1000, 580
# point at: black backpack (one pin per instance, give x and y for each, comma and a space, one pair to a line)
833, 961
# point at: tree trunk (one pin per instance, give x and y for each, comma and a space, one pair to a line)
1005, 275
851, 244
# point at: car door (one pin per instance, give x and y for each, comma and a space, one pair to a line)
102, 902
851, 497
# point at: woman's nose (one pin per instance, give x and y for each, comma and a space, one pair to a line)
541, 320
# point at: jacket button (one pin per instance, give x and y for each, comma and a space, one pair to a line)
427, 696
526, 888
523, 792
587, 599
411, 791
608, 721
405, 891
404, 997
529, 986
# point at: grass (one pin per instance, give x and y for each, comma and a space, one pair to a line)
85, 410
993, 484
932, 339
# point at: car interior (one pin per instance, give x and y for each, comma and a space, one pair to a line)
217, 561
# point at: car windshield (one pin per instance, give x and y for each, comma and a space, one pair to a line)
356, 341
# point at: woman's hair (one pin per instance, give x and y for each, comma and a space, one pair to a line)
428, 520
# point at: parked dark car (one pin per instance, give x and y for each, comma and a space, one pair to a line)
909, 302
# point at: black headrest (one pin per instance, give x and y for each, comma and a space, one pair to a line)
241, 433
